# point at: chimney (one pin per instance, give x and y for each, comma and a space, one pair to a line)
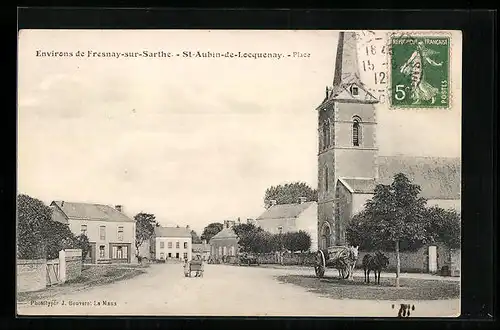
187, 227
62, 203
302, 200
119, 208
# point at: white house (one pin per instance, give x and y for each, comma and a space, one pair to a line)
110, 232
291, 218
172, 243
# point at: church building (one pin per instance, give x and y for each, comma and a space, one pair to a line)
349, 166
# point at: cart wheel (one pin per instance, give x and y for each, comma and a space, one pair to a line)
320, 266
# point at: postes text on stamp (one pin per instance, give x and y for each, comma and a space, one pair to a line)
420, 76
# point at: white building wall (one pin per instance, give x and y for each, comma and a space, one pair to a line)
174, 250
111, 236
358, 202
307, 221
446, 203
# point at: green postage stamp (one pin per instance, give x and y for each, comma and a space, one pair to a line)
420, 71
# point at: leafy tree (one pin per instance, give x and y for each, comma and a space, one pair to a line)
38, 235
289, 193
249, 237
396, 214
444, 226
195, 238
32, 216
297, 241
57, 237
82, 242
145, 224
211, 230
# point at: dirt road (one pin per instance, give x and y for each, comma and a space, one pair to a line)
223, 291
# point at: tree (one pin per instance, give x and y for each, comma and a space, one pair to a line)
249, 239
145, 224
82, 242
444, 226
38, 235
57, 237
289, 193
211, 230
195, 238
32, 216
396, 214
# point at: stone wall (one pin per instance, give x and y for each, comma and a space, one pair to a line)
73, 258
417, 261
31, 275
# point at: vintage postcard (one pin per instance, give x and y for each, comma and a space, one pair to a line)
239, 173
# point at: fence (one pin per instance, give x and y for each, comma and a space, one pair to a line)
34, 275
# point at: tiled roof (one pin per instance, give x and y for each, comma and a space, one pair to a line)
225, 233
285, 211
172, 232
358, 185
88, 211
438, 177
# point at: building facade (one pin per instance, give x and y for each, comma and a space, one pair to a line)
224, 243
349, 165
111, 233
201, 250
172, 243
294, 217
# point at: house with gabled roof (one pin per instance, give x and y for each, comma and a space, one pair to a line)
111, 232
292, 217
224, 243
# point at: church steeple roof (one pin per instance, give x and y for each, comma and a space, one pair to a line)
347, 85
346, 61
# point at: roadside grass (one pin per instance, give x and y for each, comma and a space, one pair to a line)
92, 275
410, 288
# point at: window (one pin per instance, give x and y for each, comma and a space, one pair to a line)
162, 245
326, 178
326, 134
177, 255
118, 252
120, 233
162, 255
83, 229
170, 255
185, 245
102, 233
169, 245
356, 131
354, 90
177, 245
101, 251
185, 255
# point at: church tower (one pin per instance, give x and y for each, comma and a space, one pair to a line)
346, 130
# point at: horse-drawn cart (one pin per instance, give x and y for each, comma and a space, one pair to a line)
196, 266
342, 258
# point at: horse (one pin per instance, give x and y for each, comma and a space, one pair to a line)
376, 263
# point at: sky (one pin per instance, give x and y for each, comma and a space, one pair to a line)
191, 140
